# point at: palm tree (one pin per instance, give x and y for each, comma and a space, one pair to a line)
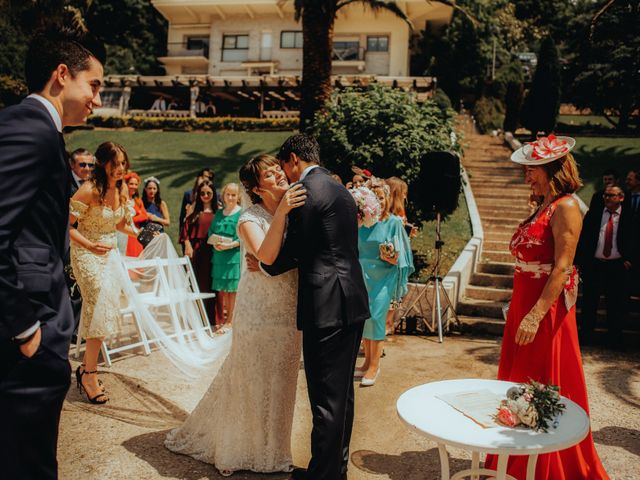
318, 17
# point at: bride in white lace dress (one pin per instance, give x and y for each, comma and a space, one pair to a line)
244, 420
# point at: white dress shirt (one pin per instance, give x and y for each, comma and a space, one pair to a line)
615, 253
306, 171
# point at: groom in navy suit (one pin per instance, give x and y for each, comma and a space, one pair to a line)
64, 74
322, 242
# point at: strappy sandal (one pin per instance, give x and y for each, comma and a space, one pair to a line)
99, 381
99, 399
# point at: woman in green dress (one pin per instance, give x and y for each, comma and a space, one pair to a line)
225, 273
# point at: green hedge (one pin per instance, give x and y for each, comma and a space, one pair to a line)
189, 124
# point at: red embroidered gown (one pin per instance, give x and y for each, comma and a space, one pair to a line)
554, 355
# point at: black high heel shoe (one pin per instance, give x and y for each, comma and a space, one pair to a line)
99, 399
82, 365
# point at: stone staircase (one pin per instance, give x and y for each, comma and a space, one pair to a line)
502, 197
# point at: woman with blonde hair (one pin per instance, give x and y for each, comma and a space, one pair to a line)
540, 339
100, 207
385, 256
225, 260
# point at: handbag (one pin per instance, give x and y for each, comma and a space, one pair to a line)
149, 232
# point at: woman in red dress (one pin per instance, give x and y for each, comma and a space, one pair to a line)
134, 247
194, 236
540, 337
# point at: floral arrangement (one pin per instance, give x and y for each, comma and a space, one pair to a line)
369, 210
533, 405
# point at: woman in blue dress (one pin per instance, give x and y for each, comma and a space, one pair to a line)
386, 259
157, 209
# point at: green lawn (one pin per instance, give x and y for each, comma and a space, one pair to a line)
455, 232
176, 157
596, 154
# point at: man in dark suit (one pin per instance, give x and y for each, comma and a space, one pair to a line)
322, 241
606, 253
64, 75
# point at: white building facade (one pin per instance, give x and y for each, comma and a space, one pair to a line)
232, 38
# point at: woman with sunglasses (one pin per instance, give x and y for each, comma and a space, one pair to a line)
194, 236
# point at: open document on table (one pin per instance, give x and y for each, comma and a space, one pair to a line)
479, 405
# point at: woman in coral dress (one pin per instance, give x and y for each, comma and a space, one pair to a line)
540, 337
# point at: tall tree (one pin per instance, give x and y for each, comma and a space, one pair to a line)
542, 105
318, 18
605, 60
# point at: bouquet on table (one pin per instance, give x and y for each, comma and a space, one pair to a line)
532, 405
369, 210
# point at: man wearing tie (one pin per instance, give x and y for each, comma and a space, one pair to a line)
64, 75
606, 253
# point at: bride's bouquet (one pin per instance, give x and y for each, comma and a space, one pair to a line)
369, 210
532, 405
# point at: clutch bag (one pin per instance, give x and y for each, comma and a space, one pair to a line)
148, 232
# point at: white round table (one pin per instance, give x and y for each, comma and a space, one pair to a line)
422, 411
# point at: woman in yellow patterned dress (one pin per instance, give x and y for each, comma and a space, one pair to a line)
100, 207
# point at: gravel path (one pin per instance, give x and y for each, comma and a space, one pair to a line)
124, 439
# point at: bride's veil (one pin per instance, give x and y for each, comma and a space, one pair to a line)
157, 291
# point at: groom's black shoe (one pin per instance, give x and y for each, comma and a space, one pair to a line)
299, 474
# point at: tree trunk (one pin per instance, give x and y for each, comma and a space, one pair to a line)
623, 119
317, 26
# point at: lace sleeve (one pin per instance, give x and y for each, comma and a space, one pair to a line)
252, 214
77, 208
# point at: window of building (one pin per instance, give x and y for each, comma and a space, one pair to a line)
235, 48
198, 44
379, 43
291, 39
346, 50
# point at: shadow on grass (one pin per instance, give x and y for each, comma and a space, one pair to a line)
407, 465
183, 171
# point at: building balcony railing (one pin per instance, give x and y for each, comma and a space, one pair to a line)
185, 49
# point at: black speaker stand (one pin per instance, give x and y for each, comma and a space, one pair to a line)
438, 292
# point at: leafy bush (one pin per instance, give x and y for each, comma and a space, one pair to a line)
381, 129
384, 130
12, 90
489, 114
189, 124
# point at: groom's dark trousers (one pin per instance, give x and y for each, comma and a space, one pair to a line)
34, 215
322, 241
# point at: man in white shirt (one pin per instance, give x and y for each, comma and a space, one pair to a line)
606, 253
64, 74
